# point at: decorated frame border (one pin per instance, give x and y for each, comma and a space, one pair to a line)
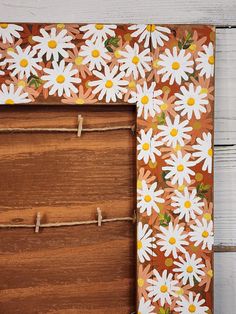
167, 71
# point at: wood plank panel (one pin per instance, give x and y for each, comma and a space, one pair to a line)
225, 283
68, 270
83, 269
61, 175
218, 12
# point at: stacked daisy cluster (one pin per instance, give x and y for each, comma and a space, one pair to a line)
168, 73
174, 152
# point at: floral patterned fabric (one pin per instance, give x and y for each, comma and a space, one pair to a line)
167, 71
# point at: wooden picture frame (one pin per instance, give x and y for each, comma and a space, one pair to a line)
167, 72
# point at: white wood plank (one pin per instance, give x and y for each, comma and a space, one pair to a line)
225, 196
218, 12
225, 104
225, 283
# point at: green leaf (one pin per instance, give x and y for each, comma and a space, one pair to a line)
162, 310
112, 41
163, 174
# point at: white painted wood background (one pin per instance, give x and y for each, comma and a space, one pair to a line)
218, 12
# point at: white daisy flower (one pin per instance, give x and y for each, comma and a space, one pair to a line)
162, 288
187, 204
53, 44
23, 62
9, 95
147, 146
110, 84
98, 32
156, 33
135, 62
191, 101
148, 198
206, 61
189, 269
175, 66
9, 31
191, 305
94, 54
172, 240
145, 243
179, 168
205, 151
60, 79
202, 233
174, 133
145, 307
146, 100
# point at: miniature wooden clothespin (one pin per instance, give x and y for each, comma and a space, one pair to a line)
99, 213
37, 224
80, 125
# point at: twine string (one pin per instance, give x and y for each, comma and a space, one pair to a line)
78, 130
98, 222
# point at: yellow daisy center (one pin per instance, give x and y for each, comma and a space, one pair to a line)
140, 282
205, 234
139, 312
192, 308
172, 240
60, 79
204, 91
52, 44
60, 25
144, 100
95, 53
3, 25
155, 63
210, 273
21, 83
173, 132
109, 84
99, 27
139, 245
180, 168
9, 101
10, 49
135, 60
199, 176
175, 65
132, 84
79, 101
187, 204
189, 269
146, 146
210, 152
211, 60
151, 27
207, 216
193, 47
164, 106
78, 60
163, 288
147, 198
180, 291
181, 188
191, 101
117, 54
24, 63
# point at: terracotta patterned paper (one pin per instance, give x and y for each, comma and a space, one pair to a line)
167, 71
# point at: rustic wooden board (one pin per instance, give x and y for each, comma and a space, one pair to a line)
82, 269
218, 12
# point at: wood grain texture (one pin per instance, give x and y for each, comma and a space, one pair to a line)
68, 270
218, 12
83, 269
225, 283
